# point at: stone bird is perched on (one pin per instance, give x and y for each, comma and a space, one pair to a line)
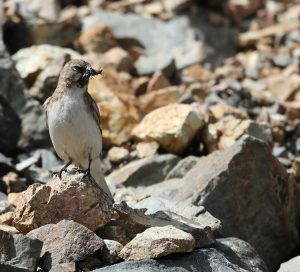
74, 121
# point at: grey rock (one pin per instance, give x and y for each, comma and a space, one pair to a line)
18, 252
10, 129
130, 222
34, 130
73, 242
197, 214
145, 171
292, 265
46, 81
251, 193
157, 242
110, 252
182, 167
282, 61
147, 65
162, 40
5, 206
229, 254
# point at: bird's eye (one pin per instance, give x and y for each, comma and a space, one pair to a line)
78, 68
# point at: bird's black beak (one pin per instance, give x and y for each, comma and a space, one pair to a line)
91, 72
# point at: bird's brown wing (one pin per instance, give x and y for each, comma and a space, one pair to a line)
93, 109
45, 107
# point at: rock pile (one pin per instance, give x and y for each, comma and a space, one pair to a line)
200, 111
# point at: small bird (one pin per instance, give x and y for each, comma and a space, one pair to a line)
74, 123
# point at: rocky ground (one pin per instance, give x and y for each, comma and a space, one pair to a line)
200, 108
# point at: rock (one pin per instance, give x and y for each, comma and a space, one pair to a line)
173, 127
157, 242
60, 32
156, 99
130, 222
97, 38
64, 242
10, 129
5, 206
145, 150
47, 79
32, 60
228, 131
65, 267
161, 62
158, 81
119, 58
173, 39
14, 198
245, 186
73, 198
34, 130
110, 252
292, 265
282, 61
182, 167
118, 154
229, 254
197, 214
222, 109
175, 5
277, 83
197, 73
48, 10
144, 172
119, 112
18, 252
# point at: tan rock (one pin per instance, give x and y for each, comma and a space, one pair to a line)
157, 242
119, 112
173, 127
156, 99
32, 60
97, 39
146, 149
221, 109
73, 197
225, 133
197, 73
14, 198
118, 58
283, 87
118, 154
158, 81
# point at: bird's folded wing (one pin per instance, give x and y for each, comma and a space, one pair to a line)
93, 108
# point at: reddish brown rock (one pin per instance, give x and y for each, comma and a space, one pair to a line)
158, 81
73, 198
98, 39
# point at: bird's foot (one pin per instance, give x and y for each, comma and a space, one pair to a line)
63, 169
86, 173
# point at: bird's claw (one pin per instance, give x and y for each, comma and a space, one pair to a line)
86, 173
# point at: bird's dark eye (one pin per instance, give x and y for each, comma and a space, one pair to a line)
78, 68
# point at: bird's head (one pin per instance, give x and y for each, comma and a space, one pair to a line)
77, 72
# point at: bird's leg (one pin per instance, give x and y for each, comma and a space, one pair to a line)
63, 169
87, 172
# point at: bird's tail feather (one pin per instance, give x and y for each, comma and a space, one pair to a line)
97, 175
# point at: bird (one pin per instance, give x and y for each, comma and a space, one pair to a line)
74, 123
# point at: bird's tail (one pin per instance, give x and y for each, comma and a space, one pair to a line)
97, 175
